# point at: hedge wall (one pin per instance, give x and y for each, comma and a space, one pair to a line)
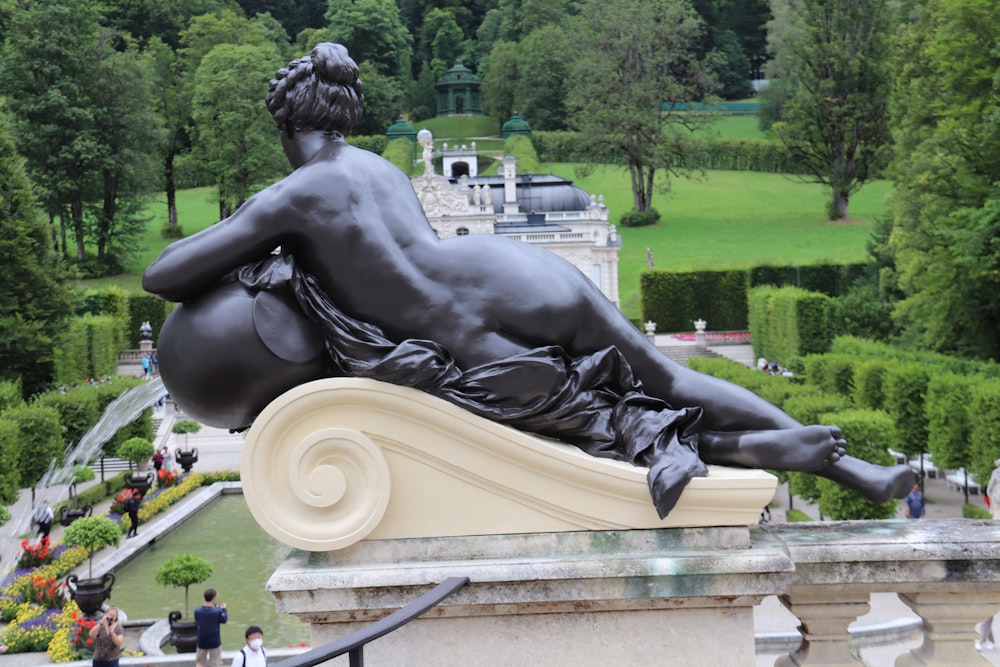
145, 308
788, 322
675, 300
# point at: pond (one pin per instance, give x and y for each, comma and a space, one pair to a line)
243, 557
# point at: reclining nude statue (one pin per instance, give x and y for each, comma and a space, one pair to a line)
335, 271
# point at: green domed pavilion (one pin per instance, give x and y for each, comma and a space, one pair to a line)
458, 92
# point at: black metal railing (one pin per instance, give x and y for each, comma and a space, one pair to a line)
354, 643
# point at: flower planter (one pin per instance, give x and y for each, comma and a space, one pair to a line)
90, 594
140, 483
186, 459
183, 633
68, 516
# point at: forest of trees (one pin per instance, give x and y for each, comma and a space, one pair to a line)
107, 102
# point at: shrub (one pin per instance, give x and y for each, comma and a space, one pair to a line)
971, 511
169, 231
136, 449
634, 218
92, 533
794, 515
184, 570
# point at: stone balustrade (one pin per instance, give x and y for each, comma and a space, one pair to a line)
681, 596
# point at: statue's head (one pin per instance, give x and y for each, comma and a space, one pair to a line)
320, 91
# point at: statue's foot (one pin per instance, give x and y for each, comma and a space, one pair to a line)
876, 483
803, 449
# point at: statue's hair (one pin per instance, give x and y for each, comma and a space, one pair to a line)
320, 91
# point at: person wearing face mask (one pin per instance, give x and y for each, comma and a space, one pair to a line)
253, 654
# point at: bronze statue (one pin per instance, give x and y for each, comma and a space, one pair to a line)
500, 327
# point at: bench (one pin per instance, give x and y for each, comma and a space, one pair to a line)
956, 480
109, 466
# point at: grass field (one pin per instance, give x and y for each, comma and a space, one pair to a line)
732, 220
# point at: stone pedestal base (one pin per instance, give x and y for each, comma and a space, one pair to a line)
639, 597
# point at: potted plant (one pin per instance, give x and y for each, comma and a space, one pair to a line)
183, 570
188, 457
91, 533
67, 514
139, 451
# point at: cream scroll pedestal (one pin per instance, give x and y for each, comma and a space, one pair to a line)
385, 491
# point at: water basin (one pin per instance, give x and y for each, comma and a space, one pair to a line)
243, 557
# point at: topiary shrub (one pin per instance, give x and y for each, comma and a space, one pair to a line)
92, 533
184, 570
136, 449
636, 218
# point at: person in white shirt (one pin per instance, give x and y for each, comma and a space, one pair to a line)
253, 654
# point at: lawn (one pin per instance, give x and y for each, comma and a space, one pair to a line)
727, 220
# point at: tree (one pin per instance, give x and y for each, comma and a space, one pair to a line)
129, 135
946, 208
541, 90
34, 301
373, 32
383, 101
46, 71
500, 81
184, 570
441, 41
145, 19
92, 533
836, 118
236, 136
635, 65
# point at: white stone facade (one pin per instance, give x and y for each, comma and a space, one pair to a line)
584, 237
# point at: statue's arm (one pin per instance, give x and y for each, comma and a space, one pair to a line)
188, 267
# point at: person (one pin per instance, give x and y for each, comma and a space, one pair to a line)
253, 654
168, 458
132, 507
146, 366
208, 617
108, 636
913, 504
482, 308
993, 490
985, 641
43, 516
158, 460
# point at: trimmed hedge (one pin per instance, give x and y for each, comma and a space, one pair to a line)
375, 143
675, 300
905, 394
788, 322
400, 152
145, 308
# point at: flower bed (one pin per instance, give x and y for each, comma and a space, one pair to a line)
33, 601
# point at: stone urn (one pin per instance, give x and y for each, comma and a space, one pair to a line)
186, 459
68, 515
90, 594
140, 483
183, 633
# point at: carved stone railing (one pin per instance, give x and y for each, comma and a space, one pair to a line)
946, 570
638, 597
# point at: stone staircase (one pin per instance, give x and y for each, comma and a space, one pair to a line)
681, 353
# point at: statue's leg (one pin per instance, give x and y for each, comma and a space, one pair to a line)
814, 449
